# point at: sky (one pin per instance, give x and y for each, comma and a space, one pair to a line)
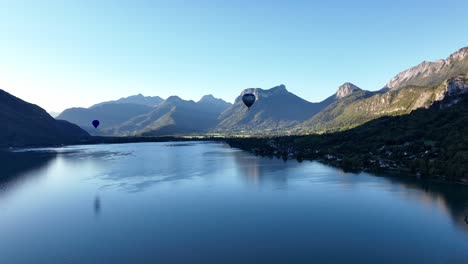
61, 54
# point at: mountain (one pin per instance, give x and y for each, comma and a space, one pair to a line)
346, 89
26, 124
108, 114
428, 143
54, 114
365, 106
216, 104
275, 110
337, 115
175, 116
138, 99
429, 74
417, 87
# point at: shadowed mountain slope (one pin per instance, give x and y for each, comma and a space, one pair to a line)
26, 124
275, 110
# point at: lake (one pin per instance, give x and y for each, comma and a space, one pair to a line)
202, 202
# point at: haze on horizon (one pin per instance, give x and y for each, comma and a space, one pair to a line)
78, 53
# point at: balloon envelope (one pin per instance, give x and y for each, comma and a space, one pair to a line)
248, 99
95, 123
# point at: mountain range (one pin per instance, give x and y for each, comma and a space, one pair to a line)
276, 111
174, 116
418, 87
430, 74
109, 115
135, 99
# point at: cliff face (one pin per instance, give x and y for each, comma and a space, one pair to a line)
431, 73
346, 89
457, 85
362, 106
418, 87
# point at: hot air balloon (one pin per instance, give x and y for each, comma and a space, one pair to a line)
95, 123
248, 99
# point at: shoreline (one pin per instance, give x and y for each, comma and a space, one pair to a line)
289, 149
395, 169
390, 173
96, 140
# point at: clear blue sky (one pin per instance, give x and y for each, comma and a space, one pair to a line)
60, 54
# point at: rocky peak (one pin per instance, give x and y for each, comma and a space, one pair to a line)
278, 89
432, 73
461, 54
210, 99
173, 99
132, 97
261, 93
346, 89
207, 97
457, 85
135, 99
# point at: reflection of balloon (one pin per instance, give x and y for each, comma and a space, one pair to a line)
97, 205
248, 99
95, 123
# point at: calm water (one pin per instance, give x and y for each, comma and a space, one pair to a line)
208, 203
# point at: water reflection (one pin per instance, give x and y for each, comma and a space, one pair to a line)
15, 166
137, 167
453, 198
97, 205
154, 163
256, 170
189, 161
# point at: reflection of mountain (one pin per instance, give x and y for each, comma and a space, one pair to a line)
449, 197
452, 197
15, 164
156, 163
258, 170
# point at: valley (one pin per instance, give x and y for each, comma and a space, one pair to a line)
415, 125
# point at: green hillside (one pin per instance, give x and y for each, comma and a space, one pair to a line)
362, 107
431, 143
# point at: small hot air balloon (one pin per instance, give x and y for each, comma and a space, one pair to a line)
248, 99
95, 123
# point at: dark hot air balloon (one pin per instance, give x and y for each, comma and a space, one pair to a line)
95, 123
248, 99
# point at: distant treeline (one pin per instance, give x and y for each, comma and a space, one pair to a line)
120, 140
